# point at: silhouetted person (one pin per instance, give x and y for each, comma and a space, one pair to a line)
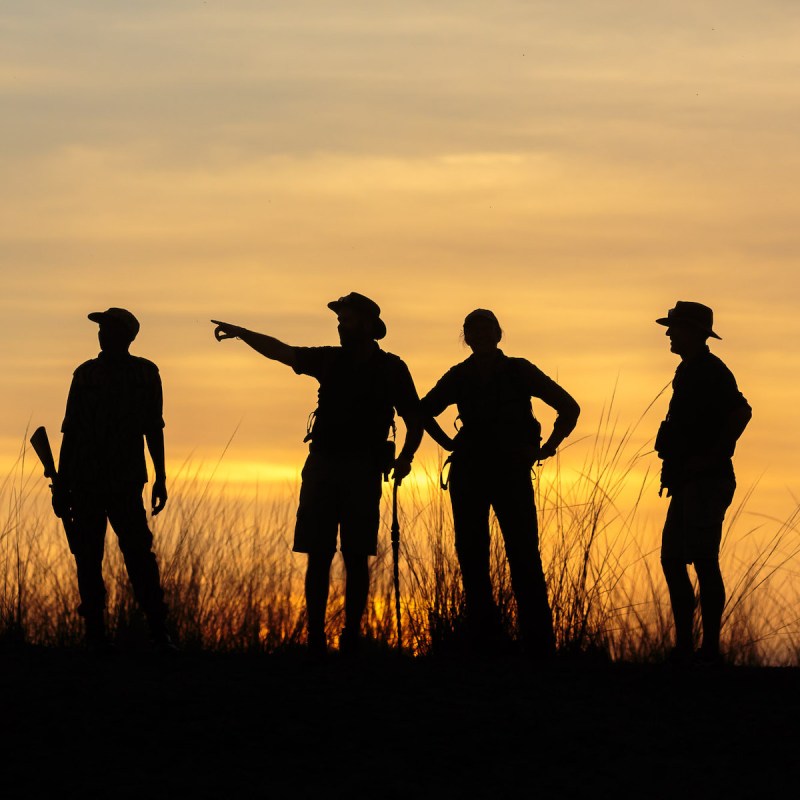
707, 414
360, 386
493, 454
114, 406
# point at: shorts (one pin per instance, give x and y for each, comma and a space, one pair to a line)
339, 493
693, 528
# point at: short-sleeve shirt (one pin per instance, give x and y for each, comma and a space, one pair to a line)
704, 394
495, 408
113, 402
357, 397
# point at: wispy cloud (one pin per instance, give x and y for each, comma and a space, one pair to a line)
575, 166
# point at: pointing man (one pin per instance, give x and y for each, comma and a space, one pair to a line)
360, 386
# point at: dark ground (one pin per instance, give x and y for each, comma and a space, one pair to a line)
195, 725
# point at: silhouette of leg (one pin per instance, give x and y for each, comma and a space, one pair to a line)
317, 585
676, 542
470, 501
514, 505
712, 604
706, 505
129, 520
355, 599
88, 546
681, 595
359, 499
356, 589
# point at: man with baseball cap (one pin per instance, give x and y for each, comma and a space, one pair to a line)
360, 387
707, 415
114, 406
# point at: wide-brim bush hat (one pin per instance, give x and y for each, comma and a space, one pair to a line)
367, 309
689, 313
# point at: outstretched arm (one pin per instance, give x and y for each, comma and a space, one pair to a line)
267, 346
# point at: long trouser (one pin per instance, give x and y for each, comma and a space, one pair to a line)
692, 535
123, 508
475, 487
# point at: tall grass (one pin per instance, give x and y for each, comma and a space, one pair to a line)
233, 584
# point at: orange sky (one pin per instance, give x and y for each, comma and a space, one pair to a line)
575, 167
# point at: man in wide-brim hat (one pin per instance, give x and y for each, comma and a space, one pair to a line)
360, 387
707, 415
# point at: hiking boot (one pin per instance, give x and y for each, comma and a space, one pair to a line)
680, 657
317, 645
166, 645
349, 642
162, 641
99, 646
538, 653
96, 640
708, 659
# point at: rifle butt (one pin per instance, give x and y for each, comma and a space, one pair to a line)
41, 446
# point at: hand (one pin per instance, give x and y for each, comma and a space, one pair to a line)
225, 330
402, 466
159, 496
547, 450
62, 502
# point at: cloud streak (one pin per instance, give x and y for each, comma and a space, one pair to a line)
576, 167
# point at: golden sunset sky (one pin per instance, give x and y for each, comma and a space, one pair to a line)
576, 167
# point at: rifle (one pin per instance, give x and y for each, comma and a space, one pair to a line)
41, 446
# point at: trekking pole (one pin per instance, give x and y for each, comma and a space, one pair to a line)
396, 567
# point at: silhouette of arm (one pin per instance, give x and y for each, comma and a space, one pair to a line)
733, 427
61, 487
437, 433
67, 457
737, 421
733, 409
155, 444
724, 445
153, 413
414, 432
434, 403
267, 346
565, 406
408, 407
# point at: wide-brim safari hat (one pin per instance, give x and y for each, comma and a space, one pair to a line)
367, 309
688, 313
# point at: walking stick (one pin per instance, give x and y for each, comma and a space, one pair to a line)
396, 567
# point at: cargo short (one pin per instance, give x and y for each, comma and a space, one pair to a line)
339, 494
693, 528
